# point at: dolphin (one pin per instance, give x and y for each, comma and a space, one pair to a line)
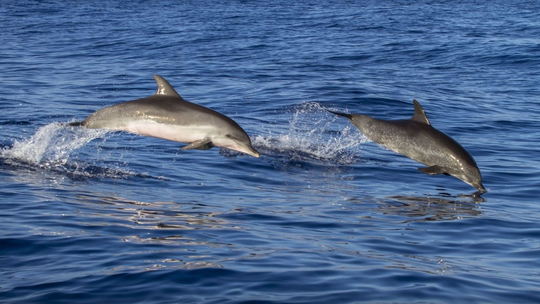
418, 140
168, 116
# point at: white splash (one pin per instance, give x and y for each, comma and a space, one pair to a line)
54, 148
52, 144
314, 133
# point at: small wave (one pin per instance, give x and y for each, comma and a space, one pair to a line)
313, 135
53, 147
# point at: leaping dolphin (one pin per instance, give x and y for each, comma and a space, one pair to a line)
418, 140
167, 115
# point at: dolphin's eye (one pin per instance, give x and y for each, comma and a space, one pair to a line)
229, 135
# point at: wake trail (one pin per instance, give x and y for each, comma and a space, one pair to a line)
54, 147
313, 134
51, 144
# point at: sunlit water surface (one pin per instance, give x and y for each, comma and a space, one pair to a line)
324, 215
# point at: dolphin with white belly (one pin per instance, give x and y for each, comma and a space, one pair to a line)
168, 116
418, 140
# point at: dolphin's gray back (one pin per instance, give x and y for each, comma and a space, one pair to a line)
415, 140
160, 109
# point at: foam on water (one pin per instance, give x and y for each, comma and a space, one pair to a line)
51, 144
52, 148
313, 134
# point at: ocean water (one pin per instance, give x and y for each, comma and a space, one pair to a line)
324, 215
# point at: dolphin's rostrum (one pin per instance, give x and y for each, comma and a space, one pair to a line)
167, 115
418, 140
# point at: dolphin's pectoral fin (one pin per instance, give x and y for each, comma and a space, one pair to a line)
433, 170
201, 144
205, 147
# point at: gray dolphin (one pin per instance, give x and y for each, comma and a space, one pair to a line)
167, 115
418, 140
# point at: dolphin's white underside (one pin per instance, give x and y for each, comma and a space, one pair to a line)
179, 133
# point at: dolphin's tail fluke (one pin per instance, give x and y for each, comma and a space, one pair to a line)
75, 124
349, 116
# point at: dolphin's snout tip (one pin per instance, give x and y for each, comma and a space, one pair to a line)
481, 188
255, 153
248, 149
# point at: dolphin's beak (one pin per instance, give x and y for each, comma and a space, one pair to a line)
478, 185
480, 188
244, 147
251, 151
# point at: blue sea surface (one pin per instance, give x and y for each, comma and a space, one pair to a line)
324, 215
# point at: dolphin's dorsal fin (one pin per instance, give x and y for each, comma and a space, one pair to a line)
164, 88
420, 114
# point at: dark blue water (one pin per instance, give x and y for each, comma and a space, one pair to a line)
324, 215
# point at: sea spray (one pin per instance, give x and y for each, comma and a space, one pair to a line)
51, 144
54, 148
312, 134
